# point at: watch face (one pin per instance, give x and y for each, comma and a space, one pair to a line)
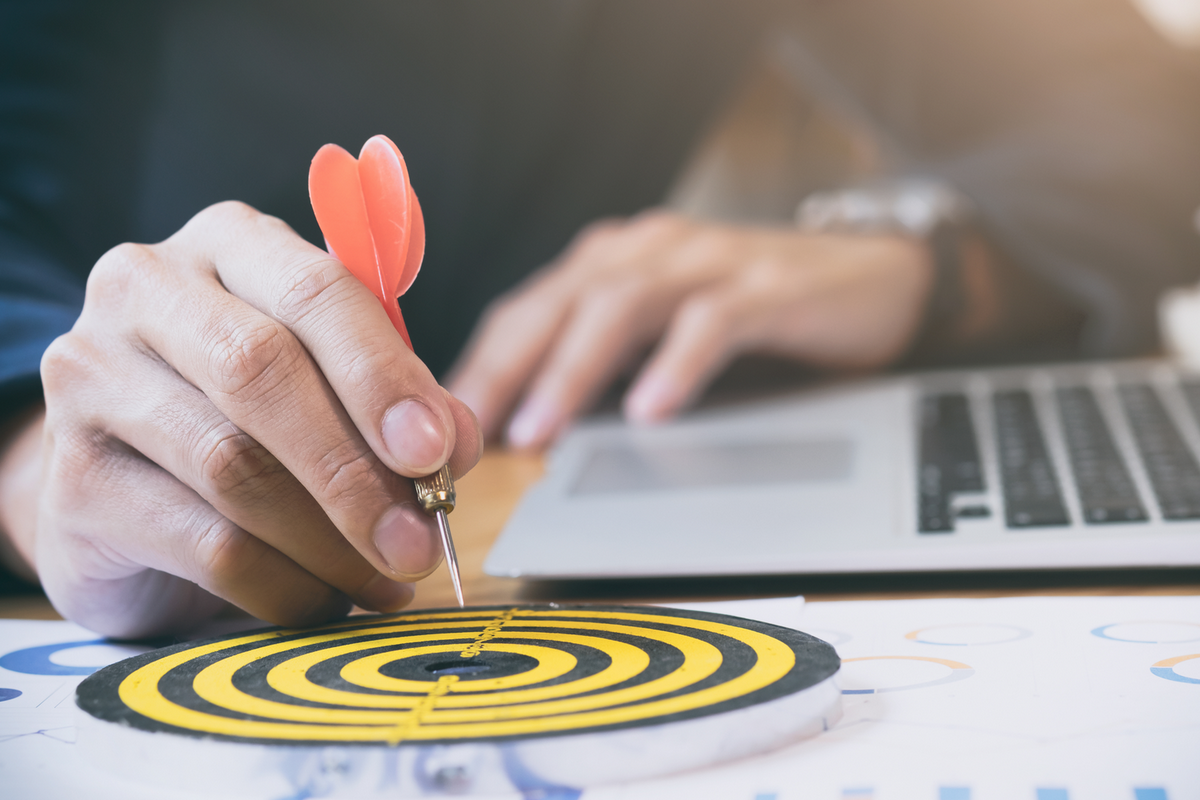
913, 207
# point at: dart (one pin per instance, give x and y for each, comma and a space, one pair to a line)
372, 223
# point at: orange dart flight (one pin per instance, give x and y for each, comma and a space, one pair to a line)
371, 219
372, 223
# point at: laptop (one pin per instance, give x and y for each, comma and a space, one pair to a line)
1083, 465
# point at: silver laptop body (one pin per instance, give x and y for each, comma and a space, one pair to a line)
1066, 466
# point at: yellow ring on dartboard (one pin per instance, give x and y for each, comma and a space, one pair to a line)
291, 678
626, 662
139, 691
215, 684
551, 664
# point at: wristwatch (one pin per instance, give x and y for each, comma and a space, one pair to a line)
929, 210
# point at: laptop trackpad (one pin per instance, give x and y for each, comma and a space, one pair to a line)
627, 467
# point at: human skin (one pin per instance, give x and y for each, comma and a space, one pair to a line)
698, 294
233, 419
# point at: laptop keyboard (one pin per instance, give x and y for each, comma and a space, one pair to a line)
1170, 465
949, 460
1032, 497
1106, 491
1033, 494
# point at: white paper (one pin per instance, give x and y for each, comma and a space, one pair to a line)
1062, 703
1032, 698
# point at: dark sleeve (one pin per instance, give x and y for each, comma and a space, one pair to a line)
39, 301
1071, 125
40, 296
74, 86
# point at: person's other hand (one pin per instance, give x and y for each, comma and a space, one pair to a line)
230, 420
705, 293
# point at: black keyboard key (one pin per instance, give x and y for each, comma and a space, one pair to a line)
973, 512
1106, 492
1032, 498
949, 460
1170, 465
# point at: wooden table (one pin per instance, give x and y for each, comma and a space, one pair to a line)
489, 493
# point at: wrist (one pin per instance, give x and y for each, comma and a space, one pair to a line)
925, 212
20, 478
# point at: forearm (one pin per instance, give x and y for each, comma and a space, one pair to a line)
20, 474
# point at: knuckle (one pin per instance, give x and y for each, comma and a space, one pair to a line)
251, 358
222, 552
228, 215
595, 240
65, 363
236, 466
601, 229
520, 311
657, 221
227, 558
225, 213
616, 293
500, 313
80, 462
349, 476
709, 244
710, 311
703, 254
310, 285
765, 271
509, 310
361, 374
119, 271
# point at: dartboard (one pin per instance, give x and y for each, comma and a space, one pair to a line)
453, 676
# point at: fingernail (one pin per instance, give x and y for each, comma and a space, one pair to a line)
651, 399
532, 424
414, 437
381, 593
406, 537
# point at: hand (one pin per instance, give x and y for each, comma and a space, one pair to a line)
705, 293
229, 420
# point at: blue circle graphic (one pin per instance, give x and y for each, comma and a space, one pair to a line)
9, 694
1166, 669
1015, 633
958, 672
36, 660
1102, 632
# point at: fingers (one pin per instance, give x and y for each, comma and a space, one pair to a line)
170, 534
702, 338
560, 339
122, 544
711, 327
321, 380
174, 425
235, 411
607, 329
518, 333
505, 350
752, 308
388, 392
831, 301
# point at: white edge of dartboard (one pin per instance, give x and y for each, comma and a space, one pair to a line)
235, 769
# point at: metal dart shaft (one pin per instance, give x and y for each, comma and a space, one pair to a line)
436, 493
451, 558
